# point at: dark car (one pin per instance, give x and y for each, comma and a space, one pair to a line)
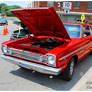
20, 33
3, 21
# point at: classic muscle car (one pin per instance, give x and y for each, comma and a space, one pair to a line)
55, 48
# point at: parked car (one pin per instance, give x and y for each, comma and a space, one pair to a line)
3, 21
54, 49
20, 33
16, 21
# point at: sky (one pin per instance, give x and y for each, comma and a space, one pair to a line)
20, 3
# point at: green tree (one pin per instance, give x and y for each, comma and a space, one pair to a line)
2, 5
5, 9
9, 13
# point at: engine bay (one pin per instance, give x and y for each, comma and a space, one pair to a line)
48, 43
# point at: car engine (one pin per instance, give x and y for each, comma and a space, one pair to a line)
48, 43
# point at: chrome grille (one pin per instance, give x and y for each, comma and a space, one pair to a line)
27, 55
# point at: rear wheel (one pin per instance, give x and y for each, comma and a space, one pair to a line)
68, 72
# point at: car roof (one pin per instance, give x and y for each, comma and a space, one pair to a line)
77, 23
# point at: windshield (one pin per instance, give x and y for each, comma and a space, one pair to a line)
73, 30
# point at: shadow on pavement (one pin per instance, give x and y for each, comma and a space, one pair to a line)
56, 83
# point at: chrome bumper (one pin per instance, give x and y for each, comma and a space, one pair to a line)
33, 66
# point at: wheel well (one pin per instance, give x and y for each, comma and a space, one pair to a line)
75, 58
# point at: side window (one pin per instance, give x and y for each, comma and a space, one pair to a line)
86, 31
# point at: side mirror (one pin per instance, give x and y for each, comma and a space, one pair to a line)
84, 35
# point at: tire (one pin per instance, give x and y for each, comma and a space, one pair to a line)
90, 53
68, 72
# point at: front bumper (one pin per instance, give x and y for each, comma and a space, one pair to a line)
33, 66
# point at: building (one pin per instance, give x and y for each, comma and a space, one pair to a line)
78, 7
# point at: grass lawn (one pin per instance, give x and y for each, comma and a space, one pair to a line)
11, 17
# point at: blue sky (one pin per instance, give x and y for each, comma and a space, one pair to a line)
20, 3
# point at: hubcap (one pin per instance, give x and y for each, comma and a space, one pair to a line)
71, 68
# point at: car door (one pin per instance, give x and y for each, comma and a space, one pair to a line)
86, 39
91, 38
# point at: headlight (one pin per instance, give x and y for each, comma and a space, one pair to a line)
51, 59
6, 50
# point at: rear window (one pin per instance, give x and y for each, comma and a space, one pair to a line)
73, 30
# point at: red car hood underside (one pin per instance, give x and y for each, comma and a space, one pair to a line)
42, 21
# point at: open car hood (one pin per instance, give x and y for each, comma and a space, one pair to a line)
42, 21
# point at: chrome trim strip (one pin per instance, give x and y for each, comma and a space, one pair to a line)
74, 52
33, 66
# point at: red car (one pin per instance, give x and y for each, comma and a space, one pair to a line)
54, 48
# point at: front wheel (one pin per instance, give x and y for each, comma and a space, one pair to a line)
68, 72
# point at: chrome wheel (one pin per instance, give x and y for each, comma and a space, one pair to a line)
68, 72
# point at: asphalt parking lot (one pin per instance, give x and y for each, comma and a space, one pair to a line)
14, 78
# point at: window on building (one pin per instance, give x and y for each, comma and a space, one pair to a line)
89, 5
50, 3
60, 4
76, 4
